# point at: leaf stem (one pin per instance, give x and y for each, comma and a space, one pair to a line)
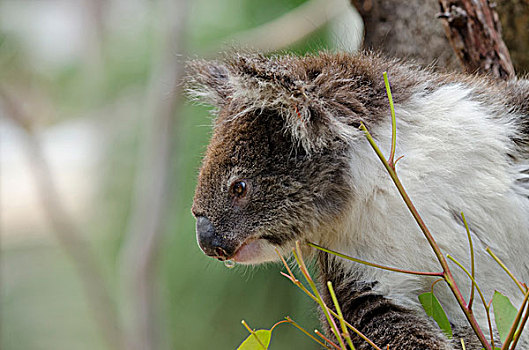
292, 322
515, 324
305, 271
252, 332
293, 279
519, 333
471, 299
474, 283
394, 269
393, 123
489, 321
340, 316
327, 339
278, 323
435, 247
435, 282
485, 305
522, 289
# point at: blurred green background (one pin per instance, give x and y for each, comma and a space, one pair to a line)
87, 83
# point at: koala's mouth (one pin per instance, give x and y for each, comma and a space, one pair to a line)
247, 250
255, 250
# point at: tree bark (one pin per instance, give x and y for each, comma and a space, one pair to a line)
474, 31
410, 29
406, 29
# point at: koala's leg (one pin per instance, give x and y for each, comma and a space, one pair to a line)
378, 318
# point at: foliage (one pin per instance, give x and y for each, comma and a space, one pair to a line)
257, 340
504, 314
434, 309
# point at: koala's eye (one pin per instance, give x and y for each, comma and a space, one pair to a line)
238, 188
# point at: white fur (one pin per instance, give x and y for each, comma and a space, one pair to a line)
454, 142
454, 161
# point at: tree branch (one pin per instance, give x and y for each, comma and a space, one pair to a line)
288, 28
474, 31
152, 190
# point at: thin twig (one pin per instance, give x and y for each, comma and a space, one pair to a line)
305, 271
471, 299
485, 305
252, 332
293, 279
515, 324
474, 283
340, 316
139, 252
506, 269
326, 339
429, 237
522, 325
305, 332
383, 267
393, 123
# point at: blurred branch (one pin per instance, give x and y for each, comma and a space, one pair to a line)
474, 31
287, 29
95, 27
152, 190
70, 238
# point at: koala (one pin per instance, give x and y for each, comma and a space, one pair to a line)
287, 162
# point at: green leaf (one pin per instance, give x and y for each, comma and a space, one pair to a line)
434, 309
251, 343
504, 314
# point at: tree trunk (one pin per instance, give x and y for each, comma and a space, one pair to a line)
411, 29
407, 29
514, 16
474, 30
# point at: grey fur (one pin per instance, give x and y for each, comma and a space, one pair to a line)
287, 127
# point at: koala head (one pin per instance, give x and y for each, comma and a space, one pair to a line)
276, 169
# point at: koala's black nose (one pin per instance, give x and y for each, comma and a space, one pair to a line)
209, 241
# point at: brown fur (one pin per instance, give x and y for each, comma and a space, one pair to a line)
285, 126
261, 139
326, 92
255, 148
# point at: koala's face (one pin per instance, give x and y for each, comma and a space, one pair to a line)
277, 167
258, 191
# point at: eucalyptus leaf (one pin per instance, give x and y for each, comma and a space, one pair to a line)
251, 343
504, 314
434, 309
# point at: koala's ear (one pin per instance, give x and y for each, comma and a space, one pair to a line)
209, 82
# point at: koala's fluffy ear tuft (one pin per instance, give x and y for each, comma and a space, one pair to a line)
314, 95
208, 82
295, 89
